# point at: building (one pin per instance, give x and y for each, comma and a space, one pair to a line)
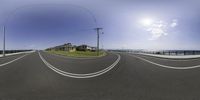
71, 48
65, 47
93, 48
85, 48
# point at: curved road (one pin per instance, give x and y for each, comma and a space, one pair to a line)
131, 79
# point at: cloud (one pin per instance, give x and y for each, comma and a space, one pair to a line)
174, 23
157, 29
156, 33
160, 28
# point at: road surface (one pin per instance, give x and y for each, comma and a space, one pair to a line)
131, 77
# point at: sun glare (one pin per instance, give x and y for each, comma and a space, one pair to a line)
146, 21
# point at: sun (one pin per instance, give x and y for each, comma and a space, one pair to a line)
146, 21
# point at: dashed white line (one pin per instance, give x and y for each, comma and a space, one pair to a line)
165, 66
73, 75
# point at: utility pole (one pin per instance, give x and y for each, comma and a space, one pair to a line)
4, 40
98, 32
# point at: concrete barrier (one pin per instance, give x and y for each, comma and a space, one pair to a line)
10, 54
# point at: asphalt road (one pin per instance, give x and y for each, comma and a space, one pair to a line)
9, 58
132, 78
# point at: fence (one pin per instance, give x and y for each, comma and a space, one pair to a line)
174, 52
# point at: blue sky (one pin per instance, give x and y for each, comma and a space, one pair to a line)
128, 24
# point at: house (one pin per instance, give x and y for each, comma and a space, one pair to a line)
65, 47
93, 49
71, 48
85, 48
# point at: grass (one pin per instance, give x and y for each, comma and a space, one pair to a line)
79, 53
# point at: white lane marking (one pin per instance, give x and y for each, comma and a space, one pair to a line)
165, 66
13, 60
172, 56
73, 75
172, 59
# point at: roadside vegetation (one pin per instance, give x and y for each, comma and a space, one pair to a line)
79, 53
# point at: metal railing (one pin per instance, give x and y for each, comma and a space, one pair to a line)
174, 52
162, 52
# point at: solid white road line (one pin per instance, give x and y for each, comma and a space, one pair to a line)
172, 59
13, 60
73, 75
172, 56
165, 66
